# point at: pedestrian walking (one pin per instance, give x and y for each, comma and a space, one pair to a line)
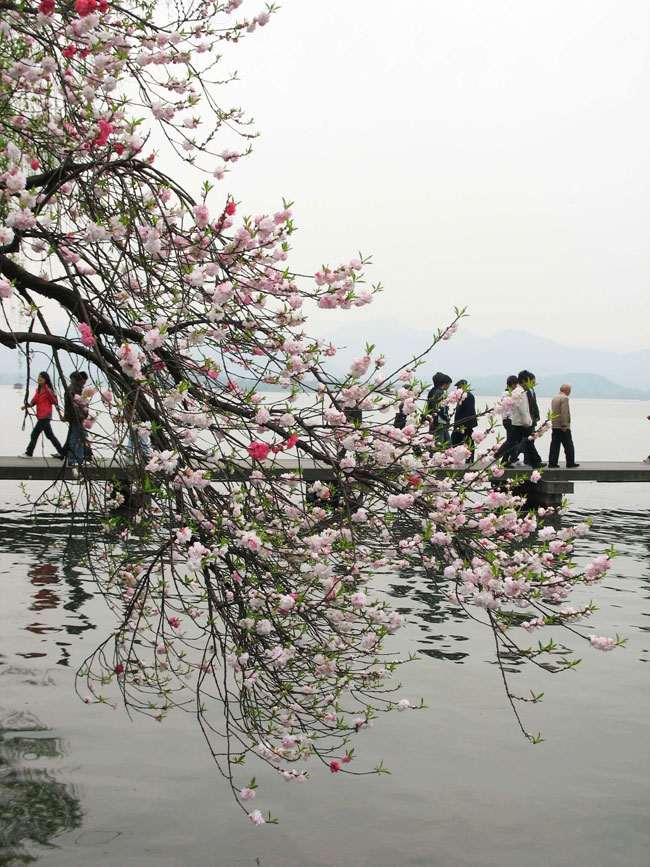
436, 410
465, 419
528, 380
507, 451
561, 434
75, 413
44, 400
525, 416
400, 418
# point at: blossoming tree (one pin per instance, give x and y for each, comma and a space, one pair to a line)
241, 593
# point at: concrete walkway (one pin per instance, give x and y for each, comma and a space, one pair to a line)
50, 469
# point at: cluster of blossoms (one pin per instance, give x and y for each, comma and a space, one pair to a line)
236, 586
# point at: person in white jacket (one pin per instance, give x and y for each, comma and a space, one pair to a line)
508, 450
522, 423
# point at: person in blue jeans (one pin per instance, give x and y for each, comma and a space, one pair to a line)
75, 415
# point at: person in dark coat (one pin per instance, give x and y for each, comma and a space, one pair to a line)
508, 448
527, 381
465, 419
75, 415
436, 411
400, 418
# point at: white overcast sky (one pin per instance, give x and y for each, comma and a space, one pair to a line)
492, 153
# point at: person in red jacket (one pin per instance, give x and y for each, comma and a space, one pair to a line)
44, 399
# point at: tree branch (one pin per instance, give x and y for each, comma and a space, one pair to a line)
66, 297
12, 339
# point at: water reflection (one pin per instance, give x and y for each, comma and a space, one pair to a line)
44, 574
55, 547
629, 528
34, 806
431, 607
424, 603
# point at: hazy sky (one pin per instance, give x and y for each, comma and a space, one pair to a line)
490, 154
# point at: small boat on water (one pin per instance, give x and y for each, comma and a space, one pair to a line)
18, 386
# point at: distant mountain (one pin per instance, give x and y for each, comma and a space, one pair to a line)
484, 361
471, 357
8, 377
582, 384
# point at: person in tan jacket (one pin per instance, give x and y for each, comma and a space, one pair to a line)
561, 422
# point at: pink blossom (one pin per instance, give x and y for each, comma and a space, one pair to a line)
334, 416
183, 535
86, 334
263, 627
104, 127
535, 623
364, 296
400, 501
15, 180
130, 360
6, 289
165, 461
247, 794
599, 566
201, 215
486, 600
153, 339
286, 603
251, 540
85, 7
196, 553
600, 642
335, 766
259, 451
360, 366
21, 219
454, 396
257, 818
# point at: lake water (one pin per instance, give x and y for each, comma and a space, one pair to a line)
94, 788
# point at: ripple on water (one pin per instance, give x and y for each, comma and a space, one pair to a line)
35, 781
424, 602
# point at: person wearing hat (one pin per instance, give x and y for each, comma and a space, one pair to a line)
437, 411
465, 419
